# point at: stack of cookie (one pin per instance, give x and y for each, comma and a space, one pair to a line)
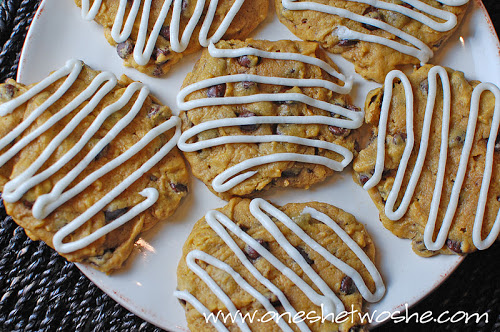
89, 161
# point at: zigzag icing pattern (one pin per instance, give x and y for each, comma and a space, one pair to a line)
457, 186
145, 43
421, 51
229, 178
261, 210
45, 204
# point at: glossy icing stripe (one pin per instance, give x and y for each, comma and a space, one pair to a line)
145, 43
261, 210
462, 168
490, 150
420, 51
287, 56
151, 195
221, 183
186, 105
45, 204
197, 255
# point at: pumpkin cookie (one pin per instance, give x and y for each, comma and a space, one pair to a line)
376, 36
153, 35
260, 114
311, 264
432, 166
88, 162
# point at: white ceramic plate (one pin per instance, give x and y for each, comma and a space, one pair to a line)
145, 286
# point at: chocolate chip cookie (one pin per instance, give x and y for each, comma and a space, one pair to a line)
153, 35
88, 162
376, 36
432, 165
265, 262
260, 114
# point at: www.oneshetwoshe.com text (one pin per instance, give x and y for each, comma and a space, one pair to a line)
373, 317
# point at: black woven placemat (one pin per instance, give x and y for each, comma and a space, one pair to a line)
40, 291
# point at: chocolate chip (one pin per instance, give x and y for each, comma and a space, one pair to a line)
286, 102
247, 84
363, 179
369, 9
249, 61
158, 71
125, 49
244, 228
102, 153
347, 42
497, 143
185, 5
372, 12
304, 254
252, 253
153, 178
424, 86
347, 286
160, 55
216, 91
7, 92
399, 138
357, 148
153, 111
165, 32
274, 129
454, 246
273, 299
386, 172
178, 187
355, 329
276, 304
370, 27
27, 204
353, 108
249, 127
498, 198
112, 215
290, 173
338, 131
407, 5
457, 140
304, 20
182, 302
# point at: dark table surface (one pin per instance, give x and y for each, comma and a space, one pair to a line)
40, 291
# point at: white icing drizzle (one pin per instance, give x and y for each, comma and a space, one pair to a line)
420, 51
424, 142
261, 210
45, 204
238, 52
351, 119
145, 43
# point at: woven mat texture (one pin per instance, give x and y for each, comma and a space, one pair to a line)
40, 291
